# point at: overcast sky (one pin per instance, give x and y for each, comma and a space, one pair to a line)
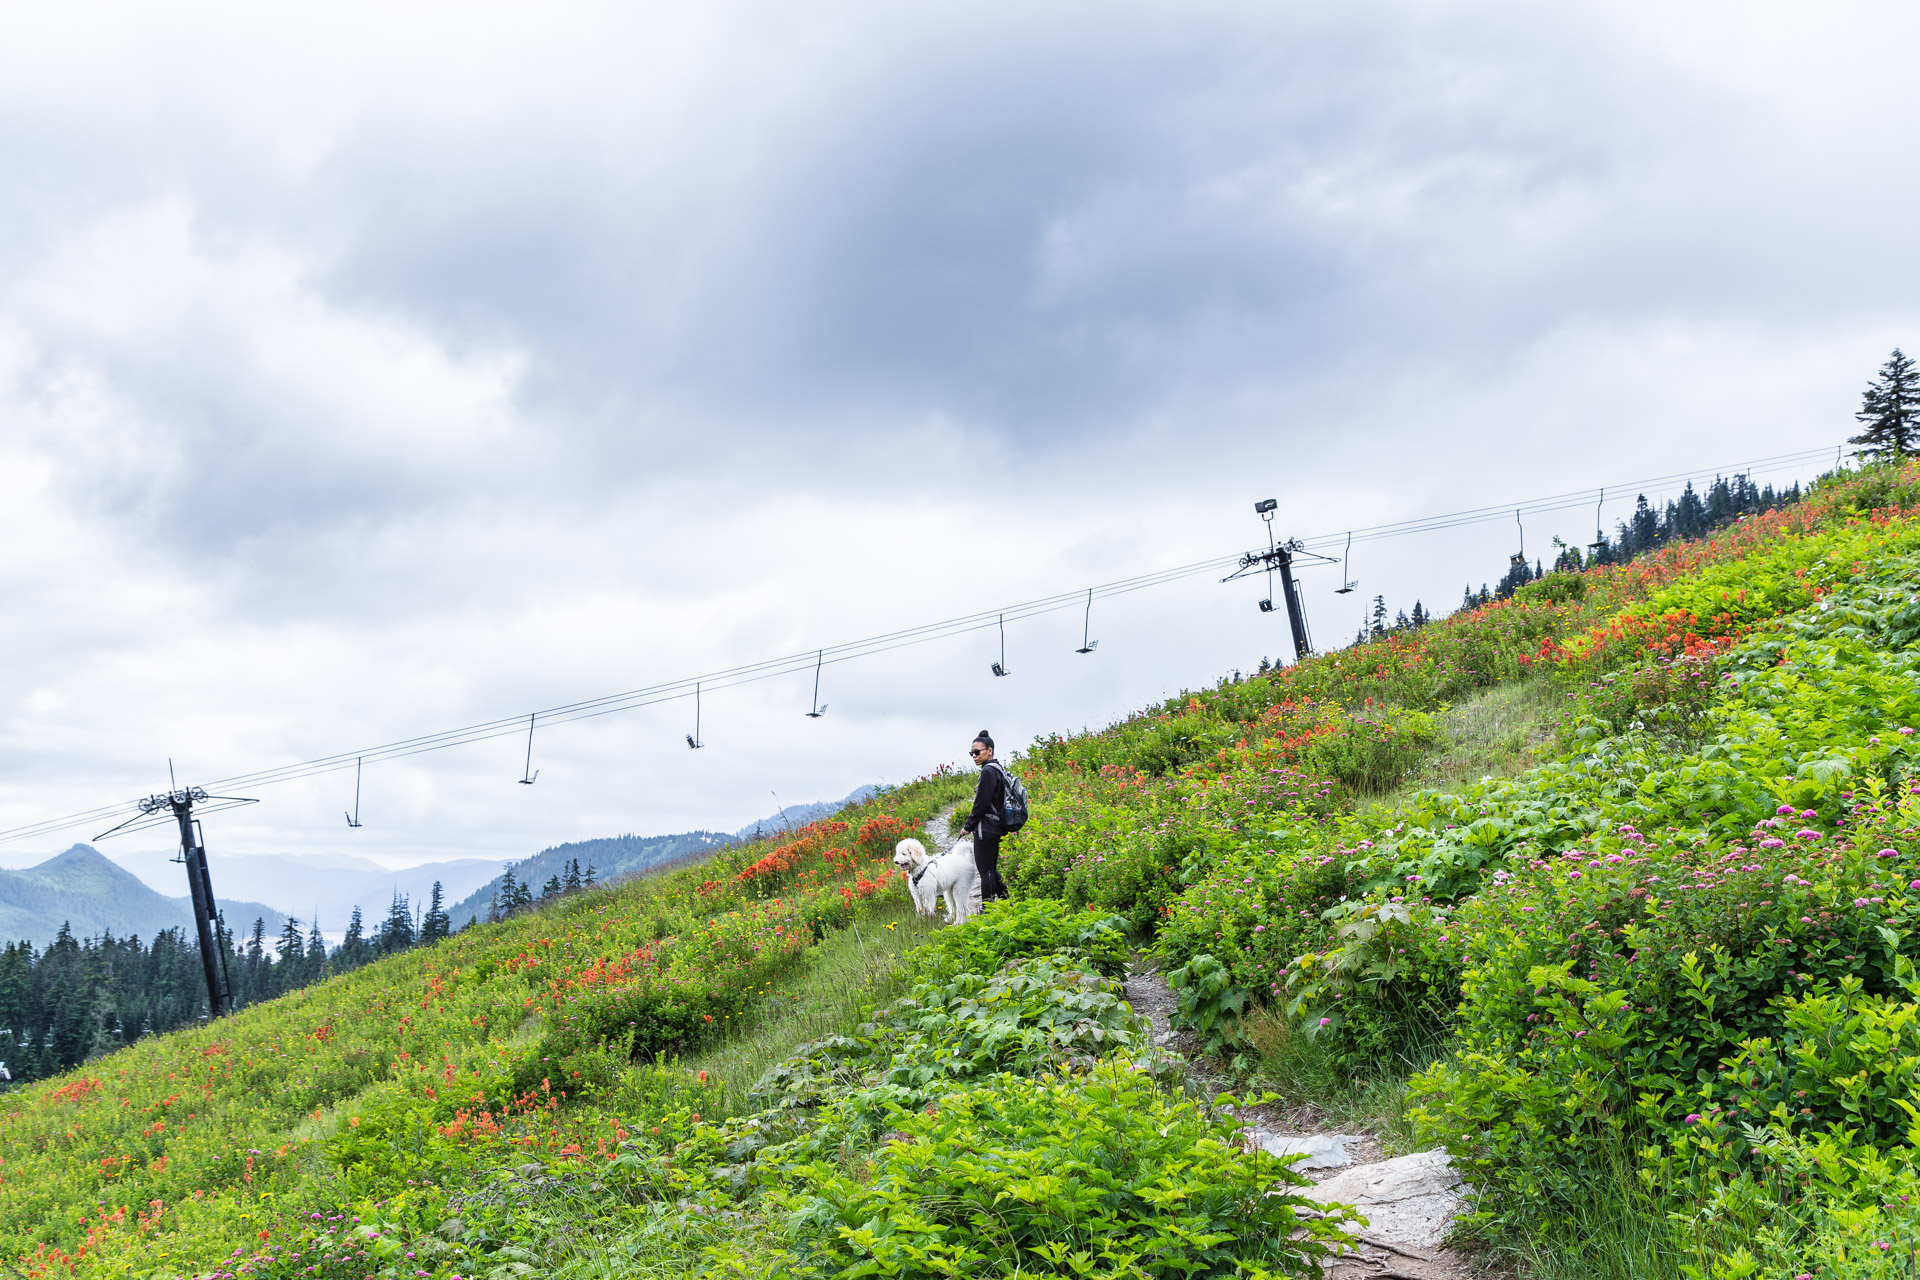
367, 371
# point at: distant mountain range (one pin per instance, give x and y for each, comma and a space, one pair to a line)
622, 857
91, 893
323, 887
799, 815
614, 858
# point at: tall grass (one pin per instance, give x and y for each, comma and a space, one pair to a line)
841, 981
1496, 732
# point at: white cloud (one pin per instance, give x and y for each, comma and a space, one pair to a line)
365, 372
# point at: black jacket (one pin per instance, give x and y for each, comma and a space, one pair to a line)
989, 802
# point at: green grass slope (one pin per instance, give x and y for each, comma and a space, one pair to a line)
1610, 888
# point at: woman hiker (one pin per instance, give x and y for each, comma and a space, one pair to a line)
986, 823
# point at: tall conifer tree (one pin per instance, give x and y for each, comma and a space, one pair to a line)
1890, 407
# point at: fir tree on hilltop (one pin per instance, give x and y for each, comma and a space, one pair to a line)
1890, 407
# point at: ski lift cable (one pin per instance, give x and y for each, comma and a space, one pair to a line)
723, 679
784, 665
637, 699
1440, 525
1559, 501
846, 651
873, 645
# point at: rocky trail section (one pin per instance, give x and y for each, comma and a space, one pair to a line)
1410, 1201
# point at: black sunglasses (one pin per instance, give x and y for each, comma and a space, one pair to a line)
977, 751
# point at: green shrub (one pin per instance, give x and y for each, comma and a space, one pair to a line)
1038, 1014
1103, 1174
1209, 1001
1375, 749
1007, 931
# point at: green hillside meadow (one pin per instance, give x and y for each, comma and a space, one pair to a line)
1611, 888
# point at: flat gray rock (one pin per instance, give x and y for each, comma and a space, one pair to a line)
1322, 1150
1407, 1200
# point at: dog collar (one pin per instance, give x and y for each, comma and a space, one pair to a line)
924, 868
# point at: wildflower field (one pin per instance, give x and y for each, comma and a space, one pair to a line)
1651, 981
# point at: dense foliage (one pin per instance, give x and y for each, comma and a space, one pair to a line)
1680, 945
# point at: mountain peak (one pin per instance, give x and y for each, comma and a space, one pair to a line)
82, 860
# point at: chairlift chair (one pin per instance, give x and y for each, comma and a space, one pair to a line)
353, 819
1599, 542
819, 707
1000, 667
1086, 645
532, 774
693, 739
1346, 557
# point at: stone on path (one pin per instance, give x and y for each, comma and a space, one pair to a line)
1407, 1200
1322, 1150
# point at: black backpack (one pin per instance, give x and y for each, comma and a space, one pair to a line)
1013, 802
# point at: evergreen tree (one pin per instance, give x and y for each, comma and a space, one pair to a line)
435, 925
590, 880
354, 950
290, 970
396, 932
1379, 627
1890, 407
253, 969
551, 889
316, 968
1645, 525
572, 883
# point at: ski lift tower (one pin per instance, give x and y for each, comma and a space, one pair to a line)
178, 806
1279, 557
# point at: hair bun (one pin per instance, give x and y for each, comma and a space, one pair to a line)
983, 736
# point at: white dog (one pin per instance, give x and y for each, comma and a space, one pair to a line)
953, 873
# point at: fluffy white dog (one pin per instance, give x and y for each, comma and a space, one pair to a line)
953, 874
